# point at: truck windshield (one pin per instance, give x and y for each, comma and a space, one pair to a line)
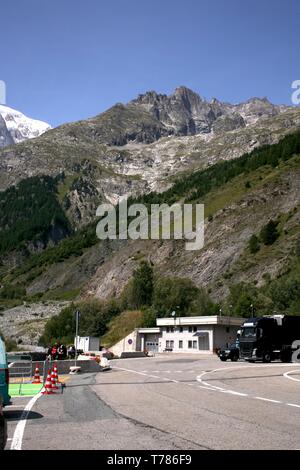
249, 332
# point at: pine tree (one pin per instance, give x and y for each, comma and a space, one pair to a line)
142, 287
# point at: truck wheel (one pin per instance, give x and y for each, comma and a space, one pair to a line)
223, 359
266, 357
234, 358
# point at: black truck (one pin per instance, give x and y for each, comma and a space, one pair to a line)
269, 337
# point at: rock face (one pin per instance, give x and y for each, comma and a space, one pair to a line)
19, 127
141, 146
25, 323
5, 137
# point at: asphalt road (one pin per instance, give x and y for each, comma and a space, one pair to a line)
167, 402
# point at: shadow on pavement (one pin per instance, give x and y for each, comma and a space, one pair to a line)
12, 415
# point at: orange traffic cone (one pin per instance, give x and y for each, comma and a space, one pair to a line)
36, 378
48, 385
56, 374
53, 380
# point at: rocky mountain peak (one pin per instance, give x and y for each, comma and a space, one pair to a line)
19, 126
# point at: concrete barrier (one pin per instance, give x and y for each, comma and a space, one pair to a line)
63, 367
128, 354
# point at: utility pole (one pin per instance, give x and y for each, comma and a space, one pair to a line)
77, 318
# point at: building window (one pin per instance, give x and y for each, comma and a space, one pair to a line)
192, 329
180, 344
170, 344
190, 344
181, 329
170, 329
195, 345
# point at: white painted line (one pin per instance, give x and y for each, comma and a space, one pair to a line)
20, 428
208, 388
287, 376
267, 399
232, 392
222, 390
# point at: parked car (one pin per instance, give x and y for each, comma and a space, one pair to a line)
231, 352
3, 426
4, 375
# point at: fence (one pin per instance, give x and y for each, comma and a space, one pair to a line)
20, 373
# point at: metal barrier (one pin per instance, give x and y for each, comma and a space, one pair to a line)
20, 372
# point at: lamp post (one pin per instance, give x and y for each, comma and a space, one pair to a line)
77, 318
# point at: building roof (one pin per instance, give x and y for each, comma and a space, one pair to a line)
148, 330
203, 320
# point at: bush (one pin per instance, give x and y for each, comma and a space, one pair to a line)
12, 292
269, 233
254, 245
173, 294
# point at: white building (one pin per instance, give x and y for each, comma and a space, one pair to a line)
202, 334
87, 343
189, 334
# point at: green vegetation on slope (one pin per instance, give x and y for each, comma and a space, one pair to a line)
201, 182
122, 326
30, 212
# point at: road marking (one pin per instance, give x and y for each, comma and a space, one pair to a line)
214, 388
20, 428
223, 390
267, 399
232, 392
207, 388
286, 375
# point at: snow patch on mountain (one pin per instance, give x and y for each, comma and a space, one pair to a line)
21, 127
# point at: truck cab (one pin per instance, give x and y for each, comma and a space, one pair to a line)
259, 339
269, 337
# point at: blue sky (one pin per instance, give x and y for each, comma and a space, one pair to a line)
64, 60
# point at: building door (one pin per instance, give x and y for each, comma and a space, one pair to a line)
203, 341
152, 346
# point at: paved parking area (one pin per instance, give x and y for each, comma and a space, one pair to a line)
171, 401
